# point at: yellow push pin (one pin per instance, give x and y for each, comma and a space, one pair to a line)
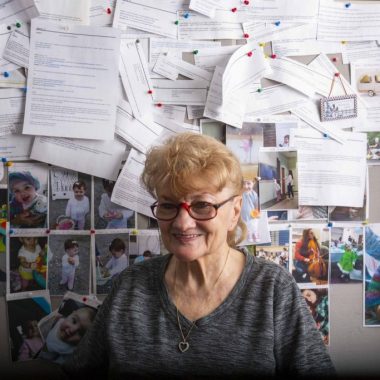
9, 163
134, 232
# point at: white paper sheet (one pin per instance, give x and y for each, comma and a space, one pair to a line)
180, 92
170, 67
15, 147
209, 58
271, 100
5, 64
136, 80
101, 12
359, 22
16, 79
72, 81
206, 8
127, 191
225, 25
149, 18
12, 105
359, 51
68, 11
18, 47
330, 173
99, 158
12, 11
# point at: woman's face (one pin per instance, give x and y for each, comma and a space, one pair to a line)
189, 239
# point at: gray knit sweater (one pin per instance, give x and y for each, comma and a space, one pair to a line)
263, 328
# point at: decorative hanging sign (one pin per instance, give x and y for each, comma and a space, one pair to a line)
338, 107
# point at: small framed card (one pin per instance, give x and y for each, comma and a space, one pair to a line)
339, 107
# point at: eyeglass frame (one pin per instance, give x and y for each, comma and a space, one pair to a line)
187, 207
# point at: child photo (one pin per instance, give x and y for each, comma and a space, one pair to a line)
71, 209
371, 286
310, 255
309, 213
318, 301
109, 215
144, 246
28, 195
27, 263
23, 317
278, 134
346, 255
63, 329
111, 258
278, 186
373, 145
69, 266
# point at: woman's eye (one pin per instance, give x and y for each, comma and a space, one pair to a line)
200, 205
167, 206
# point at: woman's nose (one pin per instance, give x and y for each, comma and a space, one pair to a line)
183, 218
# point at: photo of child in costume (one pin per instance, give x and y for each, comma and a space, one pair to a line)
27, 203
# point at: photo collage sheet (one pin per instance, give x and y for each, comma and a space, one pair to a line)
64, 237
87, 87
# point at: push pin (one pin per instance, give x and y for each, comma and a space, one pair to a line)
334, 59
347, 5
9, 163
233, 10
259, 90
150, 92
262, 44
249, 54
186, 15
3, 159
24, 89
47, 231
246, 35
6, 74
18, 24
9, 27
277, 23
176, 22
337, 75
329, 224
159, 104
109, 11
11, 232
195, 51
273, 56
246, 2
365, 222
343, 42
325, 135
92, 231
84, 299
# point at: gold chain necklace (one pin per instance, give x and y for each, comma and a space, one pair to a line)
184, 345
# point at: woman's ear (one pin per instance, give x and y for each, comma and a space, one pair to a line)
238, 201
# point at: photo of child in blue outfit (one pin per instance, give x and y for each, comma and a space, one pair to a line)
27, 207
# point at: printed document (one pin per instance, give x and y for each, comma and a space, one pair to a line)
72, 81
12, 105
12, 11
99, 158
68, 11
330, 173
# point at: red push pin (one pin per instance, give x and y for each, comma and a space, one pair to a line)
92, 231
337, 74
159, 104
246, 35
273, 56
150, 92
84, 299
109, 11
246, 2
234, 10
48, 232
249, 54
334, 59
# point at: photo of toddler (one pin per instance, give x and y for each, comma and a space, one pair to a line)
78, 206
70, 262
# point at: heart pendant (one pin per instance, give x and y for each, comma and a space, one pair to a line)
183, 346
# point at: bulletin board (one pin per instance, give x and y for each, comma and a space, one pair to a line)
80, 116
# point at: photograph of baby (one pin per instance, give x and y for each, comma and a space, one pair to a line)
318, 301
27, 184
371, 285
69, 265
63, 329
71, 211
23, 317
310, 255
112, 256
278, 186
27, 263
346, 255
109, 215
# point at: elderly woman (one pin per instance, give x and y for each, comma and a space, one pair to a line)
206, 309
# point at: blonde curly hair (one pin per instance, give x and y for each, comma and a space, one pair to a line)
188, 162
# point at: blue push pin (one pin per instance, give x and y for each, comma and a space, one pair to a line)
325, 135
186, 15
10, 232
329, 224
277, 23
24, 89
347, 5
6, 74
3, 159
